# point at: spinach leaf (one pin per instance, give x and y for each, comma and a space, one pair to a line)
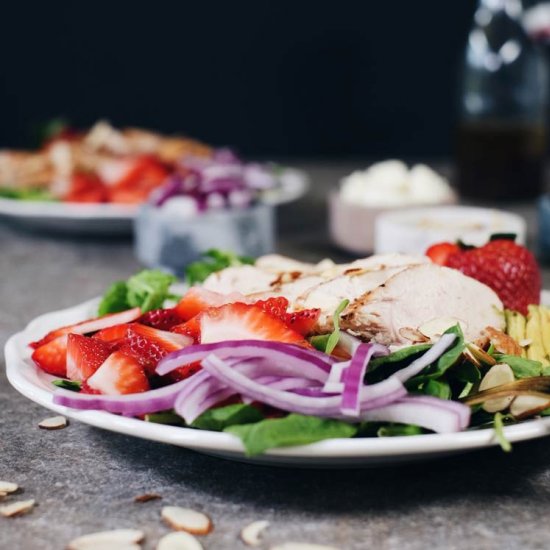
222, 417
466, 372
166, 417
523, 368
393, 430
446, 361
67, 384
383, 367
437, 388
294, 429
320, 341
115, 299
213, 260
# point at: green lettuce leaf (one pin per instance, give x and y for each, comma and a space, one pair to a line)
294, 429
115, 299
213, 260
149, 288
29, 194
222, 417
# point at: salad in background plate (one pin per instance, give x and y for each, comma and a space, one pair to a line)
105, 165
280, 352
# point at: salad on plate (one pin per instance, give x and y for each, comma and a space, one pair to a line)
280, 352
129, 166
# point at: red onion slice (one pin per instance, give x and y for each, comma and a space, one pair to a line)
353, 376
309, 363
134, 404
372, 396
438, 415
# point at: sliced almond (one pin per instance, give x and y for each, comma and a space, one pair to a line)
528, 405
497, 376
17, 508
117, 538
8, 487
185, 519
147, 497
436, 327
251, 534
179, 541
53, 423
412, 335
481, 355
302, 546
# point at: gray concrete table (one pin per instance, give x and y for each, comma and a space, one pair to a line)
84, 479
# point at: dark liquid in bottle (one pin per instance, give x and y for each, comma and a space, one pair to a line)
500, 161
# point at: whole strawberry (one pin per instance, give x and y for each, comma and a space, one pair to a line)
508, 268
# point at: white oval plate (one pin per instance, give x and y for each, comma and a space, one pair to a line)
109, 219
36, 385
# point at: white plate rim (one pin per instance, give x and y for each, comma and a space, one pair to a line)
26, 379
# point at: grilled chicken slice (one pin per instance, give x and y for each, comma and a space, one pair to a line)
275, 263
328, 295
246, 279
420, 295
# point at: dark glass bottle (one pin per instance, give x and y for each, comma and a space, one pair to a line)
501, 142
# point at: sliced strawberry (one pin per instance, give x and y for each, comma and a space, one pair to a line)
113, 334
119, 374
276, 306
51, 357
86, 187
440, 252
150, 345
163, 319
145, 174
244, 322
91, 325
198, 299
302, 321
181, 373
85, 355
167, 340
191, 328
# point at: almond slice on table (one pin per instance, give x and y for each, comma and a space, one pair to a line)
53, 423
497, 376
8, 487
302, 546
185, 519
251, 534
125, 539
17, 508
179, 540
